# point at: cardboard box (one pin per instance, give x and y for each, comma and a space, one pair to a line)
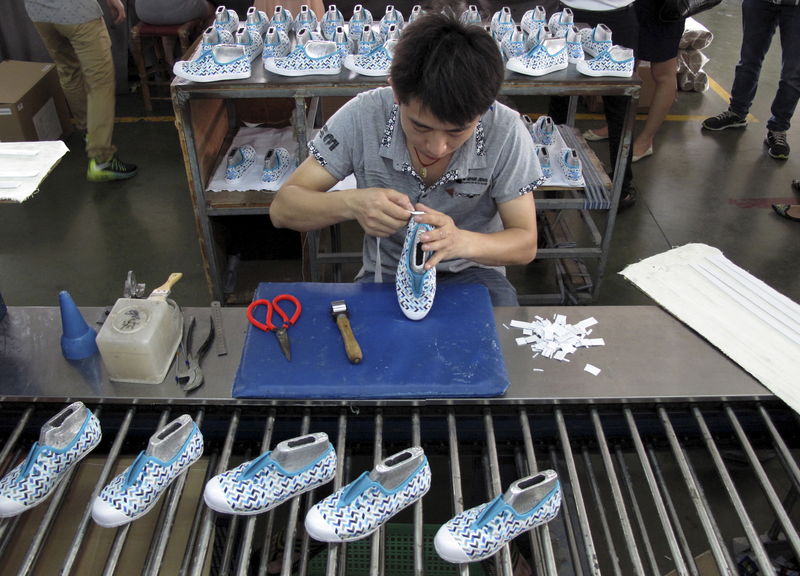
32, 104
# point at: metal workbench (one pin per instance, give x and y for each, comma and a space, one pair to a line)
671, 457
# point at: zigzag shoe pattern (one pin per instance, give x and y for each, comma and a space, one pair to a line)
415, 287
336, 520
240, 491
29, 483
134, 492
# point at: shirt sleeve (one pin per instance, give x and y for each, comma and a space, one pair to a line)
517, 170
335, 145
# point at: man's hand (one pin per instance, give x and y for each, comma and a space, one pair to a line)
380, 211
117, 9
445, 240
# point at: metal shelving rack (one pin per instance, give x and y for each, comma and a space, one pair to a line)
206, 119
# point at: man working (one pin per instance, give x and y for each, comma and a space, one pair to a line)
434, 141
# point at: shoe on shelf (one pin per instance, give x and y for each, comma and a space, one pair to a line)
239, 161
257, 21
480, 532
360, 508
415, 286
515, 43
785, 209
251, 41
331, 20
571, 164
133, 493
221, 62
549, 56
313, 57
63, 441
282, 19
592, 136
277, 165
226, 19
627, 197
276, 43
560, 22
574, 45
544, 161
113, 169
376, 63
391, 17
777, 144
416, 12
471, 15
502, 23
544, 131
645, 154
724, 121
294, 467
361, 17
369, 40
211, 37
533, 19
617, 61
596, 40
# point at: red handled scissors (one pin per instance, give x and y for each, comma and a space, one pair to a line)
273, 306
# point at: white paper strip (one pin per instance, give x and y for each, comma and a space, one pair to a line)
731, 314
593, 370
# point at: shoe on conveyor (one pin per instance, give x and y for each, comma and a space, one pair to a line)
113, 169
63, 441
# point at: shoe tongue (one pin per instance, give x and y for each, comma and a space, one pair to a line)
492, 509
355, 489
256, 466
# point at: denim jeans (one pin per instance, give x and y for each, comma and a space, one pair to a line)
760, 18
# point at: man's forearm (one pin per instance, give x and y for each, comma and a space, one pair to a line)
303, 210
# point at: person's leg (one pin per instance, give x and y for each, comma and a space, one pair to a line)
92, 46
501, 291
666, 87
759, 20
68, 68
785, 102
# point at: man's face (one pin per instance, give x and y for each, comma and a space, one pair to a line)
432, 138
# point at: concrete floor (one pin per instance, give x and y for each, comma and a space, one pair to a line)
698, 187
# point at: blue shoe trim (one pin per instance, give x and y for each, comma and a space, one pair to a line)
497, 505
265, 460
364, 483
142, 459
37, 449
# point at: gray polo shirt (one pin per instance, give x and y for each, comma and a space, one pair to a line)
495, 165
63, 11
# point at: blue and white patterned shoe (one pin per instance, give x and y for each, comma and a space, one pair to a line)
502, 23
239, 161
571, 164
225, 19
544, 161
306, 18
133, 493
221, 62
313, 57
361, 17
574, 45
549, 56
276, 43
596, 40
515, 43
391, 17
211, 37
534, 19
366, 504
478, 533
416, 12
63, 441
277, 165
616, 61
560, 22
292, 468
471, 15
370, 40
331, 20
343, 43
415, 286
306, 35
251, 41
376, 63
544, 131
257, 21
282, 19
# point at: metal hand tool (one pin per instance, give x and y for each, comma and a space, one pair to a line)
351, 346
188, 372
273, 306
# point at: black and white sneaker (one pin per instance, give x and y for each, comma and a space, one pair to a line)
725, 120
777, 145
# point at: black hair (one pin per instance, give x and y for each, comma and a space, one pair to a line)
454, 70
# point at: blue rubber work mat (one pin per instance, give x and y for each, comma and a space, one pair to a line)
454, 352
